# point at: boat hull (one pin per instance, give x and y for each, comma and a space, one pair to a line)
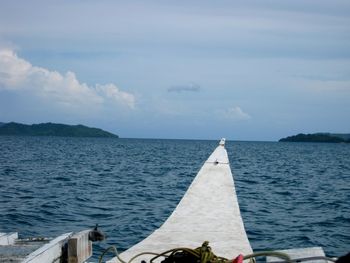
208, 211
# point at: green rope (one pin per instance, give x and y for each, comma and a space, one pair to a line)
173, 251
115, 252
141, 254
204, 254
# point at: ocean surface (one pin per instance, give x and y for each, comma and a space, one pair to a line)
291, 194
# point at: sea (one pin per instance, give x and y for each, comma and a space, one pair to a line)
291, 195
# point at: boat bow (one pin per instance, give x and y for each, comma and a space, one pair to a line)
209, 211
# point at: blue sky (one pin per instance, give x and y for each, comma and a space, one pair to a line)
244, 70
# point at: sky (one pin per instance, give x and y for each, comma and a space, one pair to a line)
244, 70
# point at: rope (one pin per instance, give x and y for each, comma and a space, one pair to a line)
205, 255
115, 252
143, 253
173, 251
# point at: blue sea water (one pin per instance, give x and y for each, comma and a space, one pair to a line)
291, 194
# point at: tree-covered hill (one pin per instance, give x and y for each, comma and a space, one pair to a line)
52, 129
317, 137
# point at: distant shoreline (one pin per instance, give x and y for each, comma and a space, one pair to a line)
319, 137
53, 129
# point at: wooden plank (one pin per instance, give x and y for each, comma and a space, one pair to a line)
208, 211
7, 239
79, 247
50, 252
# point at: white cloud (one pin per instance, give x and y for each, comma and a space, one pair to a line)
112, 92
235, 113
12, 69
52, 87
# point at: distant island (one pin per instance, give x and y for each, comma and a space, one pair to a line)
318, 137
52, 129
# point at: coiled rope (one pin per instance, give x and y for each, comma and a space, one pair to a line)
204, 254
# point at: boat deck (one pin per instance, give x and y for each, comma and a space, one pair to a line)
208, 211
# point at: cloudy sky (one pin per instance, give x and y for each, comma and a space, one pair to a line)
244, 70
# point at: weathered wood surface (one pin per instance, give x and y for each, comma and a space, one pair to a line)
50, 252
209, 211
38, 250
8, 238
79, 247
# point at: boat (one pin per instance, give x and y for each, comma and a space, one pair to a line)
72, 247
207, 217
208, 211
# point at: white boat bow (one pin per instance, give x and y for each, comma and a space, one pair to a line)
208, 211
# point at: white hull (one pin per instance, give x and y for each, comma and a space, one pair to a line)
208, 211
